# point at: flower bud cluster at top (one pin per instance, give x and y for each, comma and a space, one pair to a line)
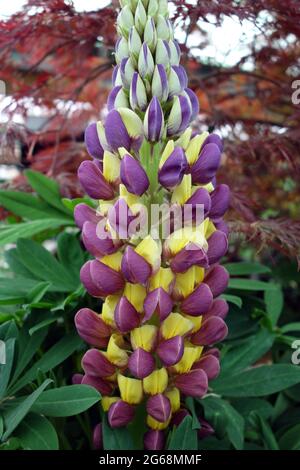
162, 311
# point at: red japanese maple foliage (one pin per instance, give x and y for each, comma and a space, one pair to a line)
54, 57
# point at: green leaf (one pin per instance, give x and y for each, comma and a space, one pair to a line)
290, 327
116, 439
72, 203
234, 423
27, 347
42, 325
8, 330
47, 189
14, 415
291, 439
274, 303
11, 233
190, 403
245, 406
233, 299
45, 266
249, 284
54, 356
66, 401
246, 353
266, 432
184, 437
36, 433
18, 268
5, 369
259, 381
38, 292
1, 426
28, 206
70, 253
246, 268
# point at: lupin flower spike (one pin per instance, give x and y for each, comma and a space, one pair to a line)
151, 346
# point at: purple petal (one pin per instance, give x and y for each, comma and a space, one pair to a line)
159, 407
205, 430
217, 246
212, 330
204, 169
219, 308
92, 142
173, 170
84, 213
104, 387
133, 176
193, 383
210, 364
194, 103
154, 121
141, 363
222, 226
120, 218
115, 74
107, 280
214, 139
189, 256
87, 281
134, 267
77, 379
157, 301
112, 97
170, 351
120, 414
116, 132
154, 440
179, 416
94, 363
98, 437
198, 302
219, 201
126, 316
200, 197
91, 328
217, 280
96, 245
93, 181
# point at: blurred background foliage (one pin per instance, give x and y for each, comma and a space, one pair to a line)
57, 63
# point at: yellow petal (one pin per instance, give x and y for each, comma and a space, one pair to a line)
209, 187
131, 390
132, 122
184, 283
157, 425
167, 152
132, 201
151, 251
108, 309
115, 353
143, 337
111, 166
174, 396
163, 278
199, 274
180, 238
197, 321
136, 295
209, 229
184, 139
175, 324
106, 402
194, 147
156, 382
183, 191
104, 206
190, 355
113, 261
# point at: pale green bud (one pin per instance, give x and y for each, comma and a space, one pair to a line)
162, 55
152, 8
184, 139
163, 28
134, 42
138, 95
174, 53
150, 34
127, 70
145, 62
163, 7
125, 21
121, 50
160, 85
140, 17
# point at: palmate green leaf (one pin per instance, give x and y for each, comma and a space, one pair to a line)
184, 437
66, 401
70, 253
231, 421
54, 356
37, 292
43, 265
28, 206
291, 439
5, 369
245, 406
258, 381
116, 439
35, 432
246, 353
274, 304
14, 415
250, 284
15, 265
246, 268
42, 325
233, 299
266, 432
27, 347
47, 189
11, 233
9, 330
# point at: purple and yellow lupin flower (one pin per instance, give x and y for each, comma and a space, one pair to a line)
162, 311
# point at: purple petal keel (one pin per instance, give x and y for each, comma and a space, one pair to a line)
93, 181
217, 280
173, 170
219, 201
210, 364
154, 440
141, 363
120, 414
104, 387
92, 142
217, 246
134, 267
219, 308
91, 328
171, 351
87, 281
198, 302
193, 383
159, 407
157, 301
133, 176
189, 256
126, 316
84, 213
115, 131
204, 169
212, 330
106, 279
